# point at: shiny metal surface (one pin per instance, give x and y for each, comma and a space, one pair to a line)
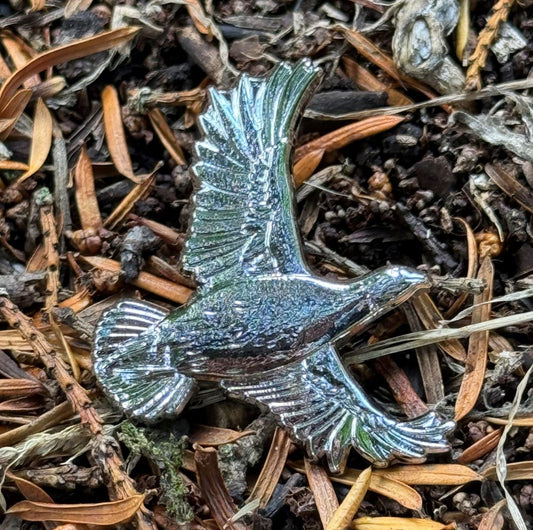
261, 324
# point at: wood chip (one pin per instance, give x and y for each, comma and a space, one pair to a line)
323, 492
476, 360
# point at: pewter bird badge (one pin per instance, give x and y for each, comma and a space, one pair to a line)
261, 324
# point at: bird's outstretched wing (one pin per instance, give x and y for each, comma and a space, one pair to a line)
324, 408
244, 220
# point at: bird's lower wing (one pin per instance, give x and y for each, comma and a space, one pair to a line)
324, 408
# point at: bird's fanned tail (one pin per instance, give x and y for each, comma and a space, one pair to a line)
132, 373
324, 408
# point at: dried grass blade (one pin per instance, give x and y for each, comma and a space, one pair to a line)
214, 490
128, 202
476, 360
272, 468
430, 474
510, 186
13, 110
369, 50
62, 54
364, 79
397, 523
323, 492
165, 134
349, 133
145, 280
66, 348
85, 193
114, 133
481, 447
41, 140
346, 511
100, 514
206, 435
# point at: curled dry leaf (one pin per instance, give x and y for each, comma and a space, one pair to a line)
145, 280
114, 133
41, 140
61, 54
206, 435
100, 514
323, 492
272, 468
347, 510
214, 490
85, 194
476, 360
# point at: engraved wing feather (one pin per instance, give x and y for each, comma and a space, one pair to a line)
324, 408
243, 221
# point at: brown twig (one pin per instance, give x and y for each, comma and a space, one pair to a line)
105, 453
500, 13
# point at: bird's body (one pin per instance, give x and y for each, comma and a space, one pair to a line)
260, 324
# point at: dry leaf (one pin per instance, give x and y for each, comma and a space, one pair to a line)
74, 6
462, 29
430, 474
393, 489
165, 134
114, 133
510, 186
100, 514
347, 134
396, 523
12, 165
272, 468
346, 511
62, 54
365, 80
41, 140
31, 491
493, 519
305, 167
476, 361
13, 110
10, 388
481, 447
20, 54
323, 492
526, 421
515, 471
85, 193
206, 435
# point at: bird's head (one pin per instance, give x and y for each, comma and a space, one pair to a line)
391, 286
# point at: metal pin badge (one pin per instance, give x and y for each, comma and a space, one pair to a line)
261, 324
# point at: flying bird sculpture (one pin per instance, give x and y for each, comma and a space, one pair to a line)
260, 324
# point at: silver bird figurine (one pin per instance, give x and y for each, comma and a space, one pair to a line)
261, 324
